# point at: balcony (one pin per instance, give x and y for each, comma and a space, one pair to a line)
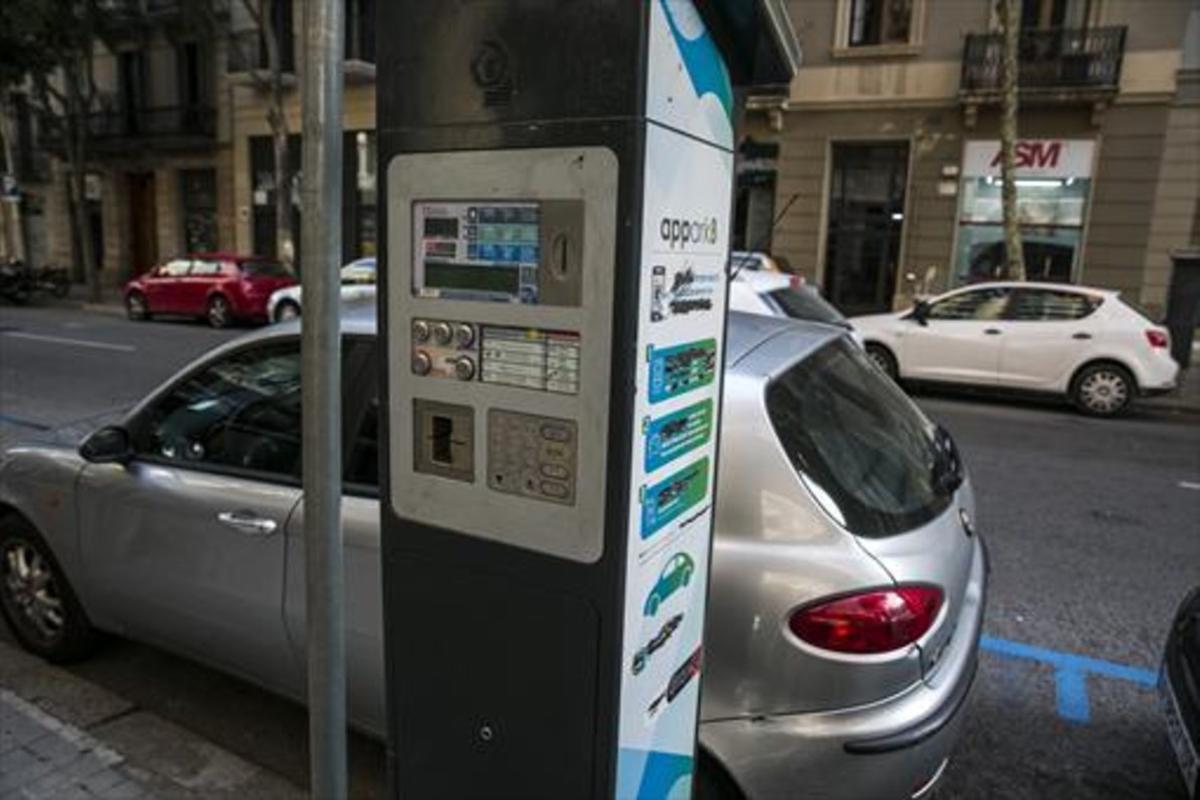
247, 58
123, 131
1056, 64
126, 20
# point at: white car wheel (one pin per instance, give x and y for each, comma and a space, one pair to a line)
1103, 390
286, 310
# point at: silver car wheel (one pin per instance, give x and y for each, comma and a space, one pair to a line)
287, 311
218, 312
33, 592
136, 306
879, 360
1104, 391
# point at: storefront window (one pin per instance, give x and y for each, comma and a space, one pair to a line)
1053, 185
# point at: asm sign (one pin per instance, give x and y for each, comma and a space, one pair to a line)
1036, 155
1036, 158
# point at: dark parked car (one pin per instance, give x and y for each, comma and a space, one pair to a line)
219, 287
1179, 690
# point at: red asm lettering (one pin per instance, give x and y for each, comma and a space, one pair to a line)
1033, 154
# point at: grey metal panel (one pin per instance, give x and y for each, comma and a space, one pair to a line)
587, 174
168, 571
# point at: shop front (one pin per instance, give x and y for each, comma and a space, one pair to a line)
1054, 180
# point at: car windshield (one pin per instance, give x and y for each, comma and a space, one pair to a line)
866, 453
799, 303
264, 269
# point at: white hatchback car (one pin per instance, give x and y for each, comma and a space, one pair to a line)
1086, 344
358, 283
778, 294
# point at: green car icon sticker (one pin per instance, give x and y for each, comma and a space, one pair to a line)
675, 575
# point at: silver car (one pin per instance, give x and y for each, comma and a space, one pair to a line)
847, 585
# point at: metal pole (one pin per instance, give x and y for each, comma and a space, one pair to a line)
321, 240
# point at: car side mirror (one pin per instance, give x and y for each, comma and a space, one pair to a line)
109, 445
920, 312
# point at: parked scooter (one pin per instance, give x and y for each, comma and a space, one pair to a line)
14, 282
18, 282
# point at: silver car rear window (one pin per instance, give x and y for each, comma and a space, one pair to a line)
863, 449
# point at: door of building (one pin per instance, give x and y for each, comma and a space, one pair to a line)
866, 219
143, 227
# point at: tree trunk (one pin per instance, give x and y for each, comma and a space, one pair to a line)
284, 243
1014, 256
76, 120
13, 246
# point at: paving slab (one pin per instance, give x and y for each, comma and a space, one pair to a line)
64, 738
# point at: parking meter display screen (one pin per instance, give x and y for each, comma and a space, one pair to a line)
477, 251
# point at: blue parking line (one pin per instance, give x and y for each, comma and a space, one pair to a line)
1070, 673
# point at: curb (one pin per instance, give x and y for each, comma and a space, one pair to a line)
157, 758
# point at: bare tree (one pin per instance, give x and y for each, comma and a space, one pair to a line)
59, 38
1008, 12
264, 14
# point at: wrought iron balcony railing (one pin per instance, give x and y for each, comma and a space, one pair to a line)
135, 127
1058, 58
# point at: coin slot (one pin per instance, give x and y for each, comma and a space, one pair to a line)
561, 259
443, 430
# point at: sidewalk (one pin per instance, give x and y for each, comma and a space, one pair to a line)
110, 300
64, 738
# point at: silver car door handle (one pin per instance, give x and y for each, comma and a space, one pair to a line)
992, 331
246, 522
1082, 336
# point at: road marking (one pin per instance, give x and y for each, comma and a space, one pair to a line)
1189, 485
36, 337
1070, 673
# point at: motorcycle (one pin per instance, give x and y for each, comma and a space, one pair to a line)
18, 282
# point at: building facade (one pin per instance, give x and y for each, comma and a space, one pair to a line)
159, 144
875, 174
181, 152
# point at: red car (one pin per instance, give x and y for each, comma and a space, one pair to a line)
220, 287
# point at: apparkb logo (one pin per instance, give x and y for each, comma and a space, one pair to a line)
682, 232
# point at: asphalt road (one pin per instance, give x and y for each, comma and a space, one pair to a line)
1093, 532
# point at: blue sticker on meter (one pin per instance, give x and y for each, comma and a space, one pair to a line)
679, 369
672, 435
666, 500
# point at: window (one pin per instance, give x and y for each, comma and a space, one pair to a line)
242, 411
865, 452
359, 273
264, 268
1046, 304
977, 305
198, 188
805, 303
362, 467
174, 269
880, 22
360, 30
205, 268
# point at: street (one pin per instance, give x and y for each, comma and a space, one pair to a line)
1093, 529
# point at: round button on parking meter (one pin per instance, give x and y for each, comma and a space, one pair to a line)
464, 334
420, 330
421, 364
442, 333
464, 369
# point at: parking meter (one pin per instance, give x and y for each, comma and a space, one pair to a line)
557, 195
